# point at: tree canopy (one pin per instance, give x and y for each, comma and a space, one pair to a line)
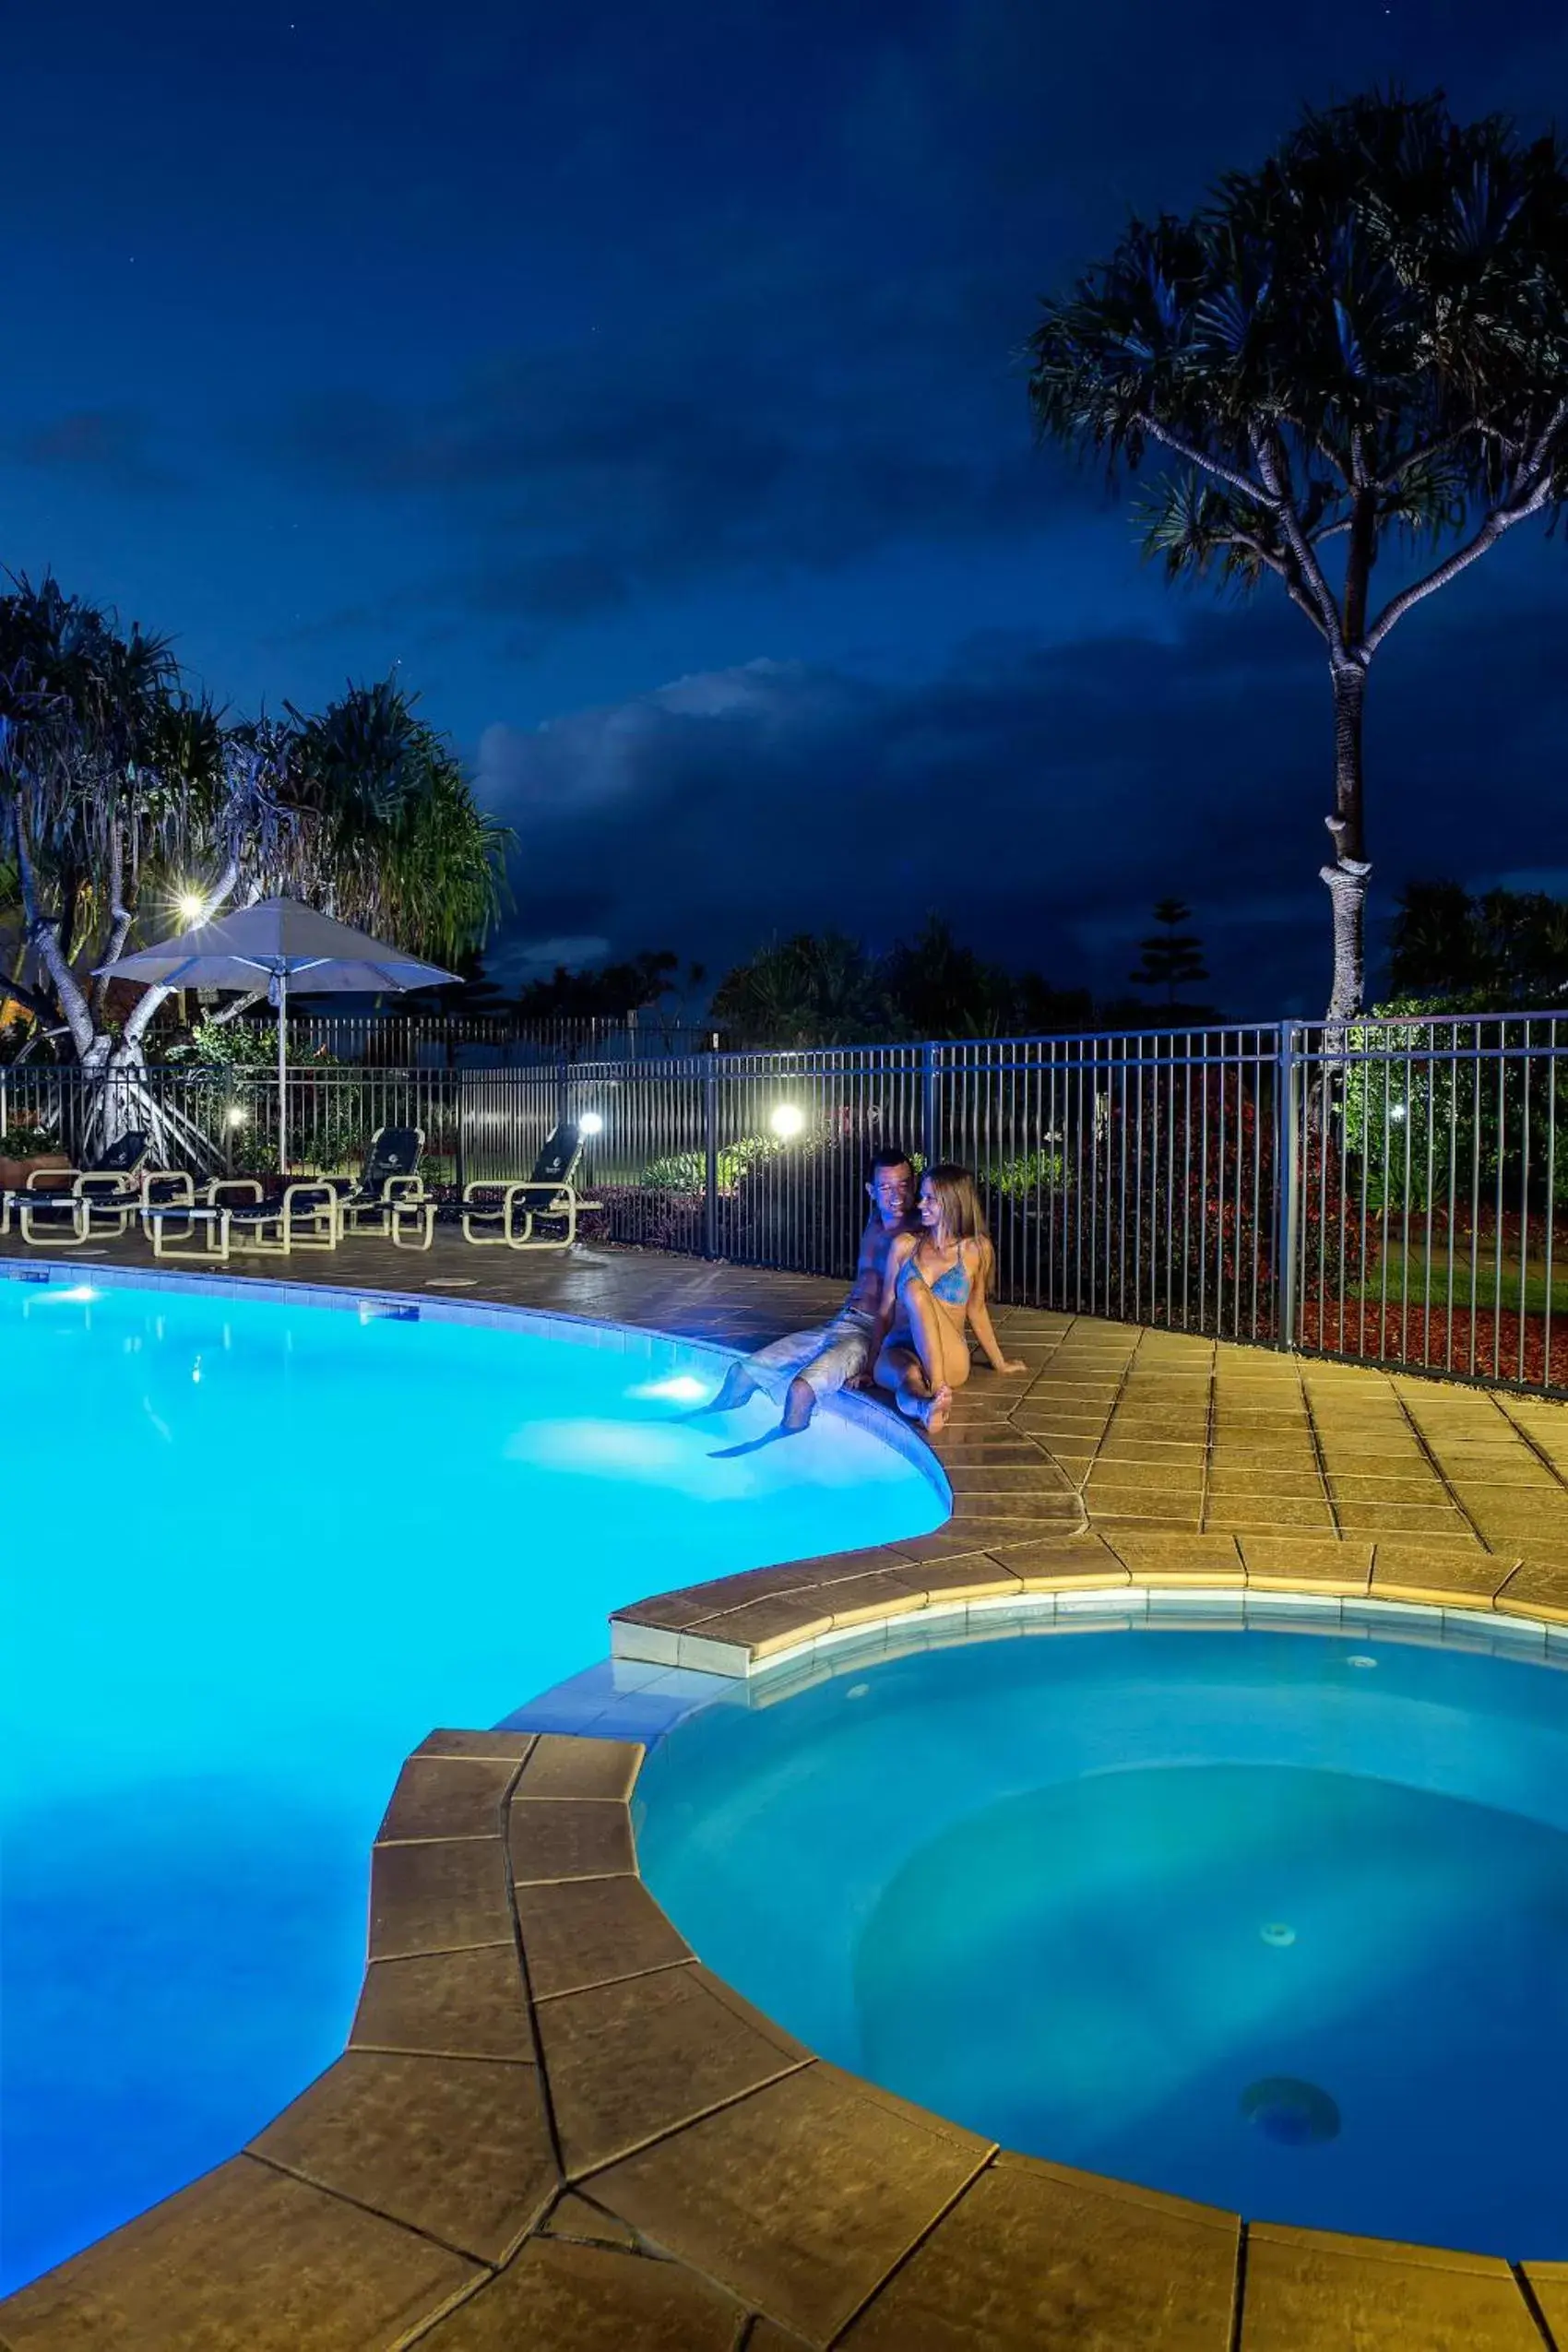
1497, 950
827, 989
130, 807
1359, 348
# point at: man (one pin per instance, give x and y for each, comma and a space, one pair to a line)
837, 1354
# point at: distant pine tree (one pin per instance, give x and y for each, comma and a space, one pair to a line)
1172, 958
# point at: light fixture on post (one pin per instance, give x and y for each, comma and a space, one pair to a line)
190, 906
787, 1119
591, 1123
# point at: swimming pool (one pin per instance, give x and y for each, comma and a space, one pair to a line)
1274, 1920
254, 1549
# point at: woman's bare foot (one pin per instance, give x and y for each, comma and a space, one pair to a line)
934, 1415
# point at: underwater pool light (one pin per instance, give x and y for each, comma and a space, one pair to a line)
682, 1388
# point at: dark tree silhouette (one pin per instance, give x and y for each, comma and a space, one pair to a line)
1172, 958
1502, 949
1361, 346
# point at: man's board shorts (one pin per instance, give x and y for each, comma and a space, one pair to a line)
824, 1358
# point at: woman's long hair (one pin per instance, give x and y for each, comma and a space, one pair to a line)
961, 1211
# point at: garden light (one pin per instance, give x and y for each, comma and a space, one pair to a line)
237, 1116
1397, 1111
591, 1123
788, 1119
190, 906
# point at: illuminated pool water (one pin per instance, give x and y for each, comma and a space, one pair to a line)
1270, 1919
251, 1551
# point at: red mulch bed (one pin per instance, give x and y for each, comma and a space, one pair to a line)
1507, 1345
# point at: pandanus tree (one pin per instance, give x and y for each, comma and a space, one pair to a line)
128, 810
1357, 352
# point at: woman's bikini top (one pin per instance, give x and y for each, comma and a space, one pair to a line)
952, 1288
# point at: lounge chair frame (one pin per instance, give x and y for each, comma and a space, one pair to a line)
501, 1215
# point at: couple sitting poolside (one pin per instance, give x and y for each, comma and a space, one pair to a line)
920, 1290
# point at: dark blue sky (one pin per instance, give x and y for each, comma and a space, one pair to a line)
644, 382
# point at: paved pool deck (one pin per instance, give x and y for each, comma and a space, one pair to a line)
554, 2128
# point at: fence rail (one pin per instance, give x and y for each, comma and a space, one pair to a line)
1391, 1192
389, 1041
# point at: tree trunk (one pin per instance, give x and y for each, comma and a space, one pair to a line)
1347, 877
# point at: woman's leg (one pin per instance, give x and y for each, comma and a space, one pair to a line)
917, 1370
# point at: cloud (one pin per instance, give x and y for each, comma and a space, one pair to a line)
591, 759
1041, 797
794, 418
112, 446
545, 955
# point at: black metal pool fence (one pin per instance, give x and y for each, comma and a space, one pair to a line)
1388, 1192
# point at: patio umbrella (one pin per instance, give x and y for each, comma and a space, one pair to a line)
278, 941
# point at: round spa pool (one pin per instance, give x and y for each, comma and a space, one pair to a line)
1275, 1921
251, 1551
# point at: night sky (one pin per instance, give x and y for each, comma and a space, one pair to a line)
645, 381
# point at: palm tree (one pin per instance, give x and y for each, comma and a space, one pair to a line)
122, 798
394, 838
1363, 342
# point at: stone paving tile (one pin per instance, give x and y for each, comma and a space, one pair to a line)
578, 2217
973, 1575
1549, 2283
1536, 1588
800, 2198
563, 1768
1180, 1560
1310, 2292
858, 1600
563, 1839
586, 1932
1125, 2267
447, 2005
247, 2259
438, 1896
1081, 1561
443, 1797
476, 2173
565, 2297
1413, 1572
513, 1744
632, 2061
1277, 1563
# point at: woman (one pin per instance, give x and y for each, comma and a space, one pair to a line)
933, 1294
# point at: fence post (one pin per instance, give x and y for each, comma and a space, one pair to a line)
928, 1104
459, 1152
710, 1157
1288, 1130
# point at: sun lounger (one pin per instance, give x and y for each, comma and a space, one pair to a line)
504, 1215
389, 1196
64, 1207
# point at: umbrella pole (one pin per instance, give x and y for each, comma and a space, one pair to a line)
282, 1074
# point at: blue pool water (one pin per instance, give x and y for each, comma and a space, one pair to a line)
251, 1551
1274, 1920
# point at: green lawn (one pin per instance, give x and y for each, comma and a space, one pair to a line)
1421, 1273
